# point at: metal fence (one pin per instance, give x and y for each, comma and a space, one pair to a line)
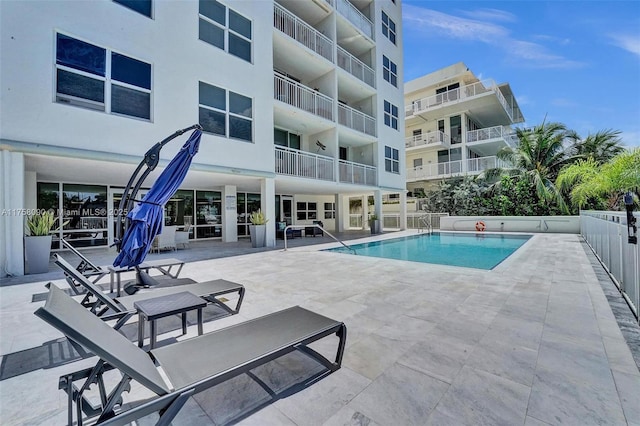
606, 233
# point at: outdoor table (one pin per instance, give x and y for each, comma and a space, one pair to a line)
164, 306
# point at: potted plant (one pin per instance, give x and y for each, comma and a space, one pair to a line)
37, 242
258, 229
374, 224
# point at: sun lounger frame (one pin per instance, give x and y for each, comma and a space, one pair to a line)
86, 267
75, 322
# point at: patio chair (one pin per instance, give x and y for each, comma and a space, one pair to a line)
189, 366
166, 240
85, 267
182, 236
122, 309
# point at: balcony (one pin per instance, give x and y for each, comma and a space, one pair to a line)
461, 94
493, 133
356, 67
300, 96
356, 120
453, 168
292, 162
356, 17
302, 32
430, 139
360, 174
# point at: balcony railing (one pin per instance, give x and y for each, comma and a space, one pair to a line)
356, 17
356, 67
302, 32
293, 93
360, 174
459, 94
356, 120
496, 132
452, 168
292, 162
430, 138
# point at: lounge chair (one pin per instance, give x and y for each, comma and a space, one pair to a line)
122, 308
190, 366
85, 267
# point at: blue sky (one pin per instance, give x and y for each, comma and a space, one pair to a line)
577, 62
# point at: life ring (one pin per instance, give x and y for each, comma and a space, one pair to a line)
480, 226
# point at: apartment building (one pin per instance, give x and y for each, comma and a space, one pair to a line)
455, 124
300, 101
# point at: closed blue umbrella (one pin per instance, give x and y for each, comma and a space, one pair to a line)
145, 219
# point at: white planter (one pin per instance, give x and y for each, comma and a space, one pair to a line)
258, 235
36, 254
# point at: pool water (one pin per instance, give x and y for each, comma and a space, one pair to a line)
481, 251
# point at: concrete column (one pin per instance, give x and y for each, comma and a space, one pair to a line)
268, 207
377, 205
342, 213
229, 214
403, 210
12, 213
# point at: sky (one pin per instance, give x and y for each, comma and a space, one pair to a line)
573, 62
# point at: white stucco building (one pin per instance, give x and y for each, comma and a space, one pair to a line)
301, 103
455, 124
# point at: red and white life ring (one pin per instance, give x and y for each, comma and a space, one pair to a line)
480, 226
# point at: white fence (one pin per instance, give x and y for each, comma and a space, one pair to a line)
303, 164
300, 96
356, 67
302, 32
606, 233
356, 120
360, 174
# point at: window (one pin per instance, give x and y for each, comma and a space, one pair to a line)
329, 210
225, 113
285, 138
95, 78
390, 115
388, 28
417, 162
141, 6
224, 28
391, 160
389, 71
306, 211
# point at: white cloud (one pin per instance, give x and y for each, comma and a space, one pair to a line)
523, 100
520, 51
631, 139
553, 39
627, 42
491, 15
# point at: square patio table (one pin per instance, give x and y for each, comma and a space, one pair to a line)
164, 306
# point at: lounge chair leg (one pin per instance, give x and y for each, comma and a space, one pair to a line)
166, 416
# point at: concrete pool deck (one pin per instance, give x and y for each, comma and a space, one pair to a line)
531, 342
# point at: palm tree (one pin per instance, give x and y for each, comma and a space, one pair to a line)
587, 179
542, 151
601, 146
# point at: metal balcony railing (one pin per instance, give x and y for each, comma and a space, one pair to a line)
430, 138
302, 32
490, 133
356, 67
357, 173
292, 162
452, 168
477, 165
460, 94
356, 120
293, 93
356, 17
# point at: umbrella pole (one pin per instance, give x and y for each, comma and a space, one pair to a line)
150, 160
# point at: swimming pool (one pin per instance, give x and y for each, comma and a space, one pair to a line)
481, 251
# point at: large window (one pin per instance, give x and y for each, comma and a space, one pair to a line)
208, 214
391, 160
390, 115
389, 71
287, 139
140, 6
225, 113
247, 203
329, 210
95, 78
224, 28
306, 211
388, 28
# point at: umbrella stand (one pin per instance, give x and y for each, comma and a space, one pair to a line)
150, 160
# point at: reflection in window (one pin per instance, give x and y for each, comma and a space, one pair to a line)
84, 209
208, 214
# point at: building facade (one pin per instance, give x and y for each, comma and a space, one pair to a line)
455, 124
300, 101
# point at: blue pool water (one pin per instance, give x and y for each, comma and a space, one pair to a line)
481, 251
